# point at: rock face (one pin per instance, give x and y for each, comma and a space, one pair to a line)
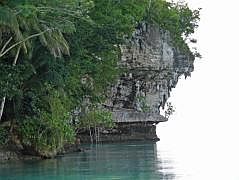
6, 155
152, 67
123, 132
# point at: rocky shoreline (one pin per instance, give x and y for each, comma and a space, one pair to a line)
10, 155
154, 65
123, 132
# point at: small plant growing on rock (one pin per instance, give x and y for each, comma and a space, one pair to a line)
169, 111
142, 105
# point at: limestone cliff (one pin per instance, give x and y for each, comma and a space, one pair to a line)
152, 66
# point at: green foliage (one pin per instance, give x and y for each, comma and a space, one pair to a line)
176, 18
117, 18
95, 47
97, 118
4, 138
69, 51
49, 129
143, 104
12, 78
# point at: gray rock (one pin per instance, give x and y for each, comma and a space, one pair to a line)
6, 155
154, 65
105, 132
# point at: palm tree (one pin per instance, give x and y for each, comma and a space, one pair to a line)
20, 23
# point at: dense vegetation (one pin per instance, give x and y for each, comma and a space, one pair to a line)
58, 57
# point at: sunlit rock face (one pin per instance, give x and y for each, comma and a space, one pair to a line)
152, 67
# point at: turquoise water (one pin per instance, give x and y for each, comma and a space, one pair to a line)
127, 161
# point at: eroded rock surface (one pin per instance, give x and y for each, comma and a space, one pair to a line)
152, 66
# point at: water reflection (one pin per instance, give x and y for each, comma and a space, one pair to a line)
139, 161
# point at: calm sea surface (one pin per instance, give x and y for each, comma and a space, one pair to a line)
99, 162
168, 159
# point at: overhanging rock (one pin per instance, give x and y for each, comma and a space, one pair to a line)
152, 66
130, 116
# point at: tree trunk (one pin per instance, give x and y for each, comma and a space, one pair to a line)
2, 107
98, 132
96, 135
91, 138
